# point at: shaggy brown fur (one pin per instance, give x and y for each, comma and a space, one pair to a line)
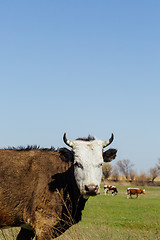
38, 188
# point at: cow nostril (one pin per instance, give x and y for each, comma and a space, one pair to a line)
86, 188
96, 188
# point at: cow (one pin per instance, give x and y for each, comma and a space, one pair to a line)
44, 191
108, 188
134, 191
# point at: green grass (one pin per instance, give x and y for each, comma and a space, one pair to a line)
116, 217
119, 218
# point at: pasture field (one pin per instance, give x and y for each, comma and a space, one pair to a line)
115, 218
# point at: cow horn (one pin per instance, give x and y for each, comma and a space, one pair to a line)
68, 142
106, 143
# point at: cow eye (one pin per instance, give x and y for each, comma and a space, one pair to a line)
100, 165
79, 165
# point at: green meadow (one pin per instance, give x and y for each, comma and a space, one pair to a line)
115, 217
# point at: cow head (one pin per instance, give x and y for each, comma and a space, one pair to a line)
88, 161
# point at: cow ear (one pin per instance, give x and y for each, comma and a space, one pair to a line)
109, 155
66, 155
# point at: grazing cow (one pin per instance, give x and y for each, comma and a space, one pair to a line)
134, 191
44, 191
108, 188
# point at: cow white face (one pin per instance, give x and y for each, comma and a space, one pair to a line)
88, 162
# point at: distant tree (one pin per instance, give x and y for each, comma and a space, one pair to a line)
158, 165
154, 172
107, 168
115, 173
132, 174
125, 167
141, 179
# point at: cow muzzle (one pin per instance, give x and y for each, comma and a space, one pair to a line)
91, 190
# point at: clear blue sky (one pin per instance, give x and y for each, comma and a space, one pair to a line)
81, 67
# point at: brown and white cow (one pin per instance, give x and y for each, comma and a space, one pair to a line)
44, 191
108, 188
134, 191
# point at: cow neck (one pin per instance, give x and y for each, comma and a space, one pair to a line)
77, 200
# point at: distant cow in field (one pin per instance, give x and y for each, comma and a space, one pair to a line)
108, 188
134, 191
44, 191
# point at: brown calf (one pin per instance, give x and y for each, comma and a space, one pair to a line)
134, 191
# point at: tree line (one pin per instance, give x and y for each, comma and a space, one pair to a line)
125, 168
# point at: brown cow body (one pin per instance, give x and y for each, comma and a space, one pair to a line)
134, 191
34, 185
38, 192
108, 188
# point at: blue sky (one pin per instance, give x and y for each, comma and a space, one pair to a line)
81, 67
